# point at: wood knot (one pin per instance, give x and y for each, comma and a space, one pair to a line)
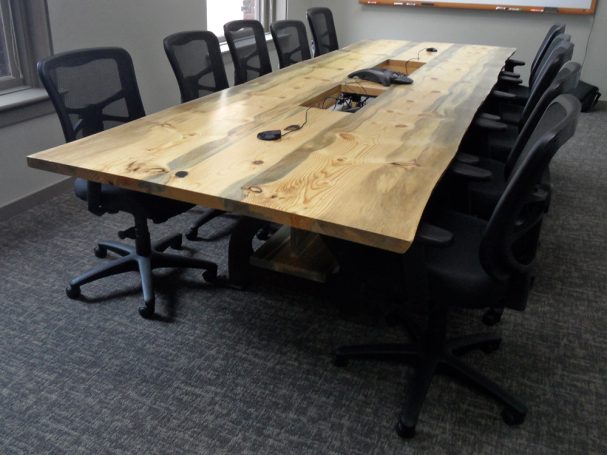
347, 136
134, 166
254, 189
407, 164
402, 125
257, 162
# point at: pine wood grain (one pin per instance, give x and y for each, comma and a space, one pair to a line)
364, 177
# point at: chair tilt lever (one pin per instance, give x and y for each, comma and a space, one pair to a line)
130, 233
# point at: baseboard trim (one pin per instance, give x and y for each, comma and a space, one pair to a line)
27, 202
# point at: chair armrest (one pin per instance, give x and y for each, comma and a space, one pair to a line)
510, 80
510, 74
505, 96
511, 63
467, 158
431, 235
488, 116
491, 125
470, 172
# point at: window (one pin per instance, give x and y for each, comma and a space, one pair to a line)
221, 11
24, 38
10, 71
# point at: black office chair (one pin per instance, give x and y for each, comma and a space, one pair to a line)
504, 114
197, 63
464, 261
198, 66
515, 85
248, 48
553, 32
93, 90
515, 116
323, 30
483, 196
511, 106
291, 42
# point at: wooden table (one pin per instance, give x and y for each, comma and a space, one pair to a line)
364, 177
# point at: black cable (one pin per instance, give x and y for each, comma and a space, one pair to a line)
289, 129
588, 42
427, 49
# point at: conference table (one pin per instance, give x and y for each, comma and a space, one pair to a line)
365, 177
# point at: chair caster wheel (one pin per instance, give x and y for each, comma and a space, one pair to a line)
492, 316
100, 251
491, 347
513, 417
73, 292
209, 276
404, 431
339, 361
177, 243
192, 234
147, 311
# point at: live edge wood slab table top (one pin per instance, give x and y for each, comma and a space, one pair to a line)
364, 177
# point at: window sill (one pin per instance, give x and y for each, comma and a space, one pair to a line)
20, 105
225, 50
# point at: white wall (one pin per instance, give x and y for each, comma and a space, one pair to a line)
18, 141
137, 25
524, 31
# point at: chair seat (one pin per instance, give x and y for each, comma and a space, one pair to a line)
455, 273
484, 195
521, 91
511, 113
501, 143
115, 199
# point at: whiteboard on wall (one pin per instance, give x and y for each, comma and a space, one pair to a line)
532, 6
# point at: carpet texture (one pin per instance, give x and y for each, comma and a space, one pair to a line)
251, 372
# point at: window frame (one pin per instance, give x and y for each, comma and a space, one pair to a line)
268, 13
25, 99
14, 78
28, 38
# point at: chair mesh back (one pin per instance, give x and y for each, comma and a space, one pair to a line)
554, 62
247, 43
510, 240
291, 42
557, 42
553, 32
323, 30
196, 61
91, 89
565, 81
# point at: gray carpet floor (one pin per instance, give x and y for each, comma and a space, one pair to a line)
250, 372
